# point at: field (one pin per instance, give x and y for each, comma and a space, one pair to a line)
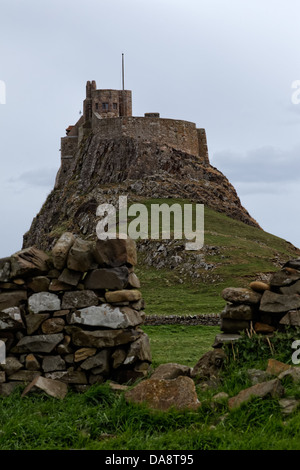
101, 419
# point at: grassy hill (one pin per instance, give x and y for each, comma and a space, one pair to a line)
234, 253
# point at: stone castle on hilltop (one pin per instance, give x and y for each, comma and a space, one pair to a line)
109, 114
109, 152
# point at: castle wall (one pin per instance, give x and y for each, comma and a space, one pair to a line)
203, 149
68, 146
181, 135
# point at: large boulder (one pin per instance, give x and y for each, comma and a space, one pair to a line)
159, 394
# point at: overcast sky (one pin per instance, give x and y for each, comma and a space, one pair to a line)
229, 66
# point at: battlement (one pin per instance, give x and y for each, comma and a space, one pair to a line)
109, 113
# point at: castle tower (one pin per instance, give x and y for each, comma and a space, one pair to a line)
87, 104
106, 103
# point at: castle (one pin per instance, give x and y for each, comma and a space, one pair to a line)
109, 113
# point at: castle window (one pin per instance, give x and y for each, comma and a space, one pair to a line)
105, 106
115, 105
96, 105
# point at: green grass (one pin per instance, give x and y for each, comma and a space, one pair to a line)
243, 253
181, 344
164, 296
101, 419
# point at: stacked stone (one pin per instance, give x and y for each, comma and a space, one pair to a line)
264, 307
73, 316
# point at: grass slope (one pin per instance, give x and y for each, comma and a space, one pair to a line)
242, 254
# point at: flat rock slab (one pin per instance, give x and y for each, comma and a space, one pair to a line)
24, 375
291, 289
108, 278
39, 284
101, 338
38, 343
28, 262
68, 377
159, 394
225, 338
272, 302
263, 389
83, 353
106, 316
284, 277
241, 295
70, 277
170, 370
79, 299
12, 299
54, 388
123, 295
43, 302
237, 312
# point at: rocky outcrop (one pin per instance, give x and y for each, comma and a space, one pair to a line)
102, 170
75, 327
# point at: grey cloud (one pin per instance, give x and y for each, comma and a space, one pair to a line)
41, 177
264, 165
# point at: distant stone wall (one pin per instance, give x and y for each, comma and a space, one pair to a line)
72, 317
181, 135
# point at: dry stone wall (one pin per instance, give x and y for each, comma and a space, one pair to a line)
73, 316
265, 306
